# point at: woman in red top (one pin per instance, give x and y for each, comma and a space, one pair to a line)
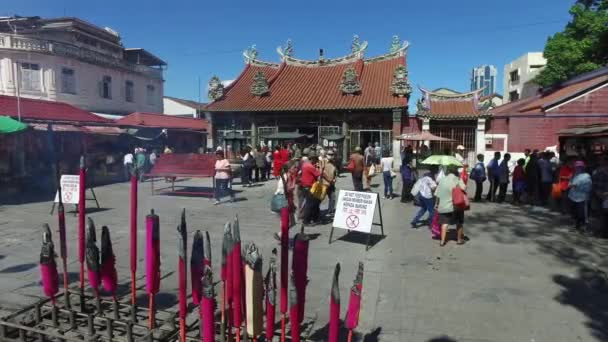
519, 181
277, 161
285, 155
566, 172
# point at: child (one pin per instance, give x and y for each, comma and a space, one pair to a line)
519, 181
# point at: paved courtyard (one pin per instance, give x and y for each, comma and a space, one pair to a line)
521, 277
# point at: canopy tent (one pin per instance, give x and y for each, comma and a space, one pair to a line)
333, 137
422, 136
8, 125
287, 136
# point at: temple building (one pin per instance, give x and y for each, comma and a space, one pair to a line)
458, 116
348, 101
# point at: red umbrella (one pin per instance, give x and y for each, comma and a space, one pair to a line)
133, 227
254, 292
48, 267
63, 247
237, 284
109, 278
299, 268
207, 305
271, 295
294, 311
197, 266
152, 262
334, 307
284, 266
227, 246
182, 250
354, 303
81, 213
93, 261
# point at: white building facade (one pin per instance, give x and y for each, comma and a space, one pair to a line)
72, 61
519, 75
186, 108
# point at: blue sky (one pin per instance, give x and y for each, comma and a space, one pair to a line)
202, 38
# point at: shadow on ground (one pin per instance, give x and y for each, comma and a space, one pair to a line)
588, 290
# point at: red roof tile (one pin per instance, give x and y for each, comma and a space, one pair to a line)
296, 87
139, 119
41, 110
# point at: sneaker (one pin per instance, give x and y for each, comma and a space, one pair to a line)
413, 225
216, 202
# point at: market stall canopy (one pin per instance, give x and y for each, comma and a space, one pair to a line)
587, 130
333, 137
32, 110
102, 130
422, 136
8, 125
152, 120
286, 135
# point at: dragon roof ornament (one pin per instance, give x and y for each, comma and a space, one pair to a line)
259, 87
350, 84
397, 49
216, 88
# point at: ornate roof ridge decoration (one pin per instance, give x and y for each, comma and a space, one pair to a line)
259, 87
251, 58
216, 88
433, 96
453, 117
357, 51
401, 86
350, 83
392, 54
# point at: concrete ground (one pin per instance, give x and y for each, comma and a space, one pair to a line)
522, 276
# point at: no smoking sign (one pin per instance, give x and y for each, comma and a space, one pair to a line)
352, 221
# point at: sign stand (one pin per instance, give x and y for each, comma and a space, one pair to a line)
69, 192
355, 212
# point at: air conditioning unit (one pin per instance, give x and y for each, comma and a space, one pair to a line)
488, 141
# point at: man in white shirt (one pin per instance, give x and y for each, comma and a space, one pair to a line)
426, 199
127, 161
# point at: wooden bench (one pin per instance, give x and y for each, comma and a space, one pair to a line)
184, 165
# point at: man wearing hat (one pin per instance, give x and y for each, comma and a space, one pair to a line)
356, 165
328, 167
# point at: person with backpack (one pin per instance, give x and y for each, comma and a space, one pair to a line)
426, 186
478, 175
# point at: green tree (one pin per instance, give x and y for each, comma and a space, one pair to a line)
581, 47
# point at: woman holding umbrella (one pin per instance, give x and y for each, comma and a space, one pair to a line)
448, 213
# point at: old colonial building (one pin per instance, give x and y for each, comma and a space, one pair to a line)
364, 99
73, 61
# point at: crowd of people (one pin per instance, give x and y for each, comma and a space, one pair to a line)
140, 162
571, 185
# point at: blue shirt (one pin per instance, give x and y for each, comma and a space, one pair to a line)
581, 189
479, 172
493, 167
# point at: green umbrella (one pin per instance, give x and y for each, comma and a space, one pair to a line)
8, 125
442, 160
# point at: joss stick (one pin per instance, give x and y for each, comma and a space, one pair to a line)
133, 227
81, 235
63, 246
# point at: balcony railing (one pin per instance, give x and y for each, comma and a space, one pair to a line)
13, 42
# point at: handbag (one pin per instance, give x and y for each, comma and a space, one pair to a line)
435, 226
556, 191
318, 190
372, 171
350, 167
278, 202
393, 174
460, 199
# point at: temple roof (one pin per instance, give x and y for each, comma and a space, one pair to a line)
441, 105
299, 85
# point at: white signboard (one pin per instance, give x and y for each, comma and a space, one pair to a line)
70, 186
355, 210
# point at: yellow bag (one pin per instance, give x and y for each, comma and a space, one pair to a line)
318, 190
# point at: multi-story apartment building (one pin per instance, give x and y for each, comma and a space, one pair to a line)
519, 76
73, 61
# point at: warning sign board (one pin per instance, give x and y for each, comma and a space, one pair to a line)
355, 210
70, 186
